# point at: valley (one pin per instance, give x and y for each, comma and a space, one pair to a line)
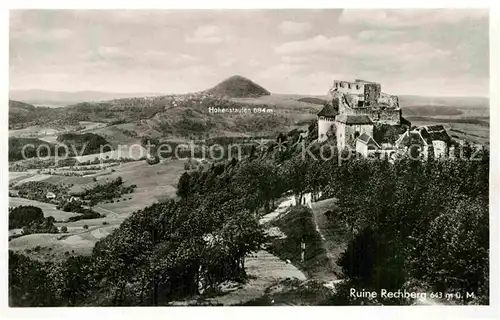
71, 185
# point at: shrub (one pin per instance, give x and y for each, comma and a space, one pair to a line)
85, 227
25, 230
88, 214
64, 229
105, 223
153, 160
73, 206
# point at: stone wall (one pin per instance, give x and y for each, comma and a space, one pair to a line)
388, 100
377, 115
347, 134
355, 100
348, 87
372, 93
389, 116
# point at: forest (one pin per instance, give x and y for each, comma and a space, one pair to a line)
83, 144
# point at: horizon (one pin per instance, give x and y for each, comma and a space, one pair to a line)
423, 52
272, 93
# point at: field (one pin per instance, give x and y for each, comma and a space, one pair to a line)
29, 177
49, 132
77, 241
48, 209
15, 177
466, 118
134, 151
289, 106
154, 182
58, 246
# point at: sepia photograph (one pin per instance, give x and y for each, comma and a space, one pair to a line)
248, 157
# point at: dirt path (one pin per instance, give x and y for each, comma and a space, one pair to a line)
263, 269
316, 213
332, 249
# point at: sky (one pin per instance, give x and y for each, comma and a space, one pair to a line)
440, 52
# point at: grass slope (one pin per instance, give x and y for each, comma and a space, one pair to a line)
298, 226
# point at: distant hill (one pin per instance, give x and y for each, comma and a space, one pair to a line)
62, 98
458, 102
188, 115
21, 113
20, 108
238, 87
16, 150
313, 100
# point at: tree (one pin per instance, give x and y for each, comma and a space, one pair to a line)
64, 229
153, 160
184, 185
455, 251
312, 130
24, 215
358, 261
295, 172
29, 282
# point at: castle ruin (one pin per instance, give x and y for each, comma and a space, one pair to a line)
355, 110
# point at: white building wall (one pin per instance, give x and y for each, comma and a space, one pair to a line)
440, 148
324, 125
366, 128
362, 148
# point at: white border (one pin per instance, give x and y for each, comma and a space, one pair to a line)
417, 312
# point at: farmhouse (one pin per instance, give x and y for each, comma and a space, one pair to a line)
50, 195
74, 199
362, 117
